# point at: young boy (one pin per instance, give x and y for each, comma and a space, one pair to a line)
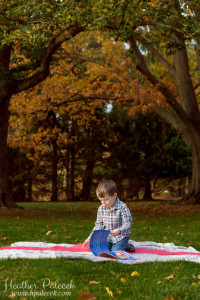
112, 215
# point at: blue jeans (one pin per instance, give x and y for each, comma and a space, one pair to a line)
121, 245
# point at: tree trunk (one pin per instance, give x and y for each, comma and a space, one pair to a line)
193, 197
69, 164
6, 199
30, 189
54, 196
147, 190
191, 135
72, 168
87, 179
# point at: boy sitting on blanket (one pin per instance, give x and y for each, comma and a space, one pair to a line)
112, 215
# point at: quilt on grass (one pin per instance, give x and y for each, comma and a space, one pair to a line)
145, 252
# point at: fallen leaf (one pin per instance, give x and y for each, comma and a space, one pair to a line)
12, 296
193, 284
145, 296
198, 276
176, 267
158, 282
135, 273
48, 232
110, 293
119, 292
113, 272
123, 280
87, 295
170, 277
94, 282
2, 267
5, 238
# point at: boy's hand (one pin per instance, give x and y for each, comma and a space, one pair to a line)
115, 232
86, 244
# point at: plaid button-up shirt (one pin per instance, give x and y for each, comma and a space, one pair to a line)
118, 216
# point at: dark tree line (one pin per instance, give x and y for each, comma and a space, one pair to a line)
135, 152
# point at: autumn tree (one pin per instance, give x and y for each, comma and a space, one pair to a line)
31, 32
164, 44
65, 105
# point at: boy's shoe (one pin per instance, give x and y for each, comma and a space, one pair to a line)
130, 248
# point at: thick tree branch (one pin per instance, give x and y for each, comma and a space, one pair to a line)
161, 87
184, 82
157, 54
176, 122
99, 60
43, 72
25, 67
169, 117
77, 98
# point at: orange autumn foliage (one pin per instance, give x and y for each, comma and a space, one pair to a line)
93, 71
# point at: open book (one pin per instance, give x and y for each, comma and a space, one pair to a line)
99, 246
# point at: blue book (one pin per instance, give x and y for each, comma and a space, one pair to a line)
99, 246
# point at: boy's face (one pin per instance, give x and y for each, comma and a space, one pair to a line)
108, 201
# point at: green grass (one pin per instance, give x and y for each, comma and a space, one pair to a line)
71, 223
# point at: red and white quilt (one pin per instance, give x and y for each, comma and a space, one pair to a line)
145, 252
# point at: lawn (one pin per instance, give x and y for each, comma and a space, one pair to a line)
71, 223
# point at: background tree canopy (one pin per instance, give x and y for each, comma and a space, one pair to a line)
156, 70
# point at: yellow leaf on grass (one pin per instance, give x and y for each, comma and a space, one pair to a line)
158, 282
2, 267
193, 284
110, 293
198, 276
135, 273
123, 280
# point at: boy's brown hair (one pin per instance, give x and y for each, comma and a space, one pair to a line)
106, 187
